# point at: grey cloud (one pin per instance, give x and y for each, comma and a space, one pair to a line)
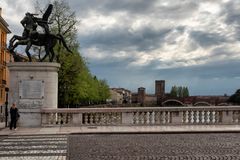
223, 50
205, 39
120, 38
177, 9
231, 10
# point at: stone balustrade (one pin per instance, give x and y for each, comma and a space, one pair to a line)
210, 115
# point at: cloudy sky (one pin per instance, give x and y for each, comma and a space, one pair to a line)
132, 43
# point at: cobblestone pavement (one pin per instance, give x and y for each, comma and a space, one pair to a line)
34, 147
202, 146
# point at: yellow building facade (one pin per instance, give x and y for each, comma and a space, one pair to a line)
5, 57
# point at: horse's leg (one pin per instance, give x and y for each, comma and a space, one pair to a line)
16, 37
22, 42
52, 54
12, 46
29, 45
47, 53
11, 41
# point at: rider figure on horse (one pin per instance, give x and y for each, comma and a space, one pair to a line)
30, 24
30, 27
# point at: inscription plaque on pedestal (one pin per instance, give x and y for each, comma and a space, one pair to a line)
31, 89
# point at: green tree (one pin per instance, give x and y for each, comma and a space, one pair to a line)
235, 98
185, 92
179, 91
174, 91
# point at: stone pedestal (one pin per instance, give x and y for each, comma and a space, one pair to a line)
33, 86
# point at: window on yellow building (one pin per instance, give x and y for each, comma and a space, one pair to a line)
1, 94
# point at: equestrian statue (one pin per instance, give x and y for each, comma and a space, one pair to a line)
31, 36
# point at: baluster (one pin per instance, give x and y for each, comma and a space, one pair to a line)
96, 118
51, 118
238, 116
190, 116
113, 118
102, 117
109, 118
66, 118
118, 118
106, 119
163, 115
201, 118
137, 118
91, 118
157, 117
55, 118
167, 117
185, 116
152, 117
58, 118
63, 118
147, 118
134, 118
235, 116
206, 118
48, 116
86, 118
195, 118
212, 117
142, 117
217, 117
69, 118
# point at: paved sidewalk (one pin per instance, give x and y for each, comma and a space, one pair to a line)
120, 129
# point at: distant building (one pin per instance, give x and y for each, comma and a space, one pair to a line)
120, 96
5, 57
160, 98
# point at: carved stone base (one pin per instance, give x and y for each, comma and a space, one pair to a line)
33, 86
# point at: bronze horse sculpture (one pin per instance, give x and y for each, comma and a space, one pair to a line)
31, 37
48, 41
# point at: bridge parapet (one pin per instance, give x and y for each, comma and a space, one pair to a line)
209, 115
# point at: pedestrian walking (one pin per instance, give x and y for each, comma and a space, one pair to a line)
14, 116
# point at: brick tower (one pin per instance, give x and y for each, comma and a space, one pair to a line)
160, 90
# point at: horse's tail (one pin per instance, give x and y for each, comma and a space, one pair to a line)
61, 38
